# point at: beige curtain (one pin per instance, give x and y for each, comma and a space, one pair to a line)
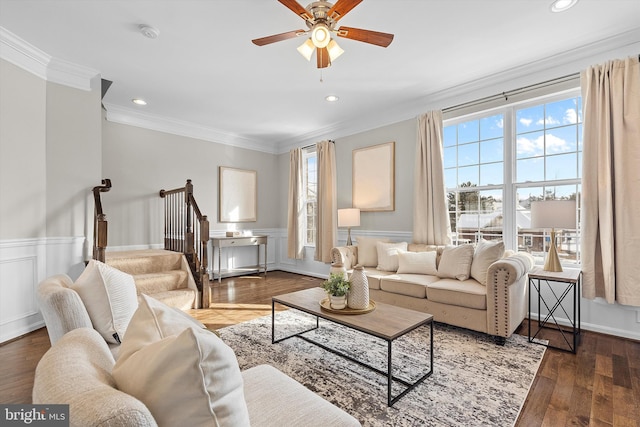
610, 182
295, 213
430, 217
326, 226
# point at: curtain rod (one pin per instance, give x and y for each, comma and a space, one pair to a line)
313, 145
506, 94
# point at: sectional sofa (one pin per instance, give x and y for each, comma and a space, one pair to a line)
480, 287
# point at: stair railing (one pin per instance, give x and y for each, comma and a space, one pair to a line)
100, 221
186, 230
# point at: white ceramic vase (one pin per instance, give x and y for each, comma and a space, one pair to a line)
338, 303
358, 298
338, 268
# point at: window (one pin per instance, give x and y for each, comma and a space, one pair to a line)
310, 160
497, 162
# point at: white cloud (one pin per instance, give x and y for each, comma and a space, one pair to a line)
556, 145
526, 122
548, 121
570, 116
531, 147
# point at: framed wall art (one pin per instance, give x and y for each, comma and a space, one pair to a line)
237, 195
373, 183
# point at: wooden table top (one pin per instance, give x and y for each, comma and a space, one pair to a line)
386, 321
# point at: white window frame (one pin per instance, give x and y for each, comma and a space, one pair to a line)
308, 153
510, 186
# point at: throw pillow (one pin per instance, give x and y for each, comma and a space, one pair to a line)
110, 298
487, 252
388, 255
455, 262
417, 263
174, 366
368, 251
191, 378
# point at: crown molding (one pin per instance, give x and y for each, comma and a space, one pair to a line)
118, 114
30, 58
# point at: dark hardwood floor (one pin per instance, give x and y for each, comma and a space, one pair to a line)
598, 386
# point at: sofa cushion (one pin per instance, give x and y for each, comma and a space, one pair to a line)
455, 262
413, 285
464, 293
176, 367
486, 253
368, 250
374, 276
109, 296
388, 255
417, 263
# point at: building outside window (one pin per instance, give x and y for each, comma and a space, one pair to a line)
310, 193
497, 162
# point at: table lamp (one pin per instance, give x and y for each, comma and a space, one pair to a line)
349, 217
553, 214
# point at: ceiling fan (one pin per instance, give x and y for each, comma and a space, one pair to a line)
321, 18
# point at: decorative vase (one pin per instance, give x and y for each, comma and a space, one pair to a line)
338, 268
358, 298
338, 303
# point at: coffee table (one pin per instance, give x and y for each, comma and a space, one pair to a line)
386, 322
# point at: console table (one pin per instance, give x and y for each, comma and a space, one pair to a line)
221, 243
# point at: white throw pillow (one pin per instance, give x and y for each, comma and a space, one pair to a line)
368, 251
110, 298
188, 379
487, 252
455, 262
175, 367
417, 262
388, 255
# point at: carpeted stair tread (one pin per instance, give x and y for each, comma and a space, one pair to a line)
144, 261
161, 281
179, 298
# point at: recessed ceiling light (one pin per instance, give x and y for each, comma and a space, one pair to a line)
139, 101
562, 5
149, 31
331, 98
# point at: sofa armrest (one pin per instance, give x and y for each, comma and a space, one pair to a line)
346, 255
507, 293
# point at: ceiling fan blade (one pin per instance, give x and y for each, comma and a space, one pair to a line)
367, 36
322, 57
297, 8
278, 37
341, 8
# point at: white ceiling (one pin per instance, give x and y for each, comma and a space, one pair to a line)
203, 72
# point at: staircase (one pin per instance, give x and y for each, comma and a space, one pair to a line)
161, 274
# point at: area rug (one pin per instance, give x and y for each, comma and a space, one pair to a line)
475, 382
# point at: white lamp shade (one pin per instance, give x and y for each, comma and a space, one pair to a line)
306, 49
334, 50
559, 214
349, 217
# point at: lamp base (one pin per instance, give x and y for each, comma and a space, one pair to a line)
552, 262
349, 243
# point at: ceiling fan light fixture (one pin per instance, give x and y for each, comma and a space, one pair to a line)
320, 35
306, 49
334, 50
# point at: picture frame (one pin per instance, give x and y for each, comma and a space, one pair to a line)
373, 177
237, 195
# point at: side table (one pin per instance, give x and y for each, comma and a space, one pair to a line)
560, 285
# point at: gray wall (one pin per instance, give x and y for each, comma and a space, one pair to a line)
140, 162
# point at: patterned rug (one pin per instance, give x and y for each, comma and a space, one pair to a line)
475, 382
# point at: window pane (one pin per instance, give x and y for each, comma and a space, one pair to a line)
468, 132
561, 113
491, 151
580, 137
491, 174
468, 154
562, 166
468, 176
450, 157
530, 119
450, 180
561, 192
491, 127
449, 136
530, 145
561, 140
530, 170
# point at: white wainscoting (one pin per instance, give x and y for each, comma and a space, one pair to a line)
23, 264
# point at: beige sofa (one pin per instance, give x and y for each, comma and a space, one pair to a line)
77, 371
496, 307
